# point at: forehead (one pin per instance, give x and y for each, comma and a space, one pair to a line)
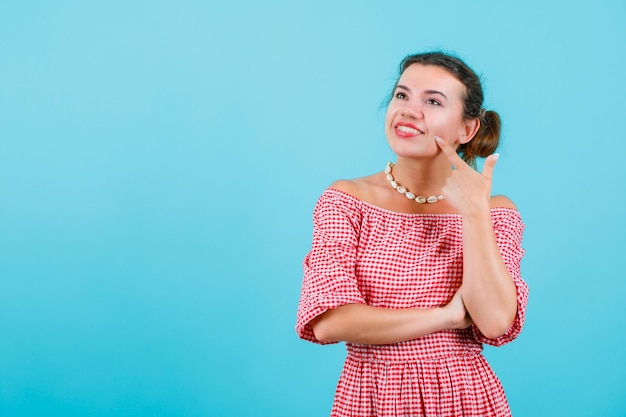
420, 77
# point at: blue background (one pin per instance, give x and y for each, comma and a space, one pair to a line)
159, 163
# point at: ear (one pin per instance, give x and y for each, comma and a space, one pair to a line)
469, 130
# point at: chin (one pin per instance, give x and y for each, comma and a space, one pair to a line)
412, 152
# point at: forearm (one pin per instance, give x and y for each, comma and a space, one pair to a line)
489, 293
359, 323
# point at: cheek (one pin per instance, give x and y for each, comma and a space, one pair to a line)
440, 127
447, 127
389, 116
391, 111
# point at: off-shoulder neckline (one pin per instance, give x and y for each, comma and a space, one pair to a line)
397, 213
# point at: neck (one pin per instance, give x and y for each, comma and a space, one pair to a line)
422, 176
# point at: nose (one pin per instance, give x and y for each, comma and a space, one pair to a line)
411, 110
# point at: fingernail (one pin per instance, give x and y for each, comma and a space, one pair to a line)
438, 139
495, 156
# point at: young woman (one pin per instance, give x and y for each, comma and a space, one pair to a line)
417, 266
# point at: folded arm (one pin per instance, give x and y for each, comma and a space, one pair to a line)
364, 324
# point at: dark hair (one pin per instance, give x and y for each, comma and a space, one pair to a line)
488, 136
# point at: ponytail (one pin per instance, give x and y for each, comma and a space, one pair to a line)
486, 140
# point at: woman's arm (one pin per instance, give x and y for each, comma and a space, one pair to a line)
360, 323
489, 292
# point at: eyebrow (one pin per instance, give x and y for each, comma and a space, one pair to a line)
436, 92
404, 87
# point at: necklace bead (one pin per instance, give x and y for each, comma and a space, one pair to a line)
402, 190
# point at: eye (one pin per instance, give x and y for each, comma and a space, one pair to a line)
400, 95
433, 101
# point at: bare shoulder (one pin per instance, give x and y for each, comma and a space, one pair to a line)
359, 188
502, 201
347, 186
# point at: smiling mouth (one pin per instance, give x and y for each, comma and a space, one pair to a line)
408, 130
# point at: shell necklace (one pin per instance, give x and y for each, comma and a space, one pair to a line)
402, 190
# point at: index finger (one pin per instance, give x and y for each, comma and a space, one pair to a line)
450, 153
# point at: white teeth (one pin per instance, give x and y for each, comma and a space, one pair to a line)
407, 129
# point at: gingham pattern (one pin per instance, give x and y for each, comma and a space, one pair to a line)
365, 254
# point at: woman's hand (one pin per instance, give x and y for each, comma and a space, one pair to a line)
457, 315
467, 190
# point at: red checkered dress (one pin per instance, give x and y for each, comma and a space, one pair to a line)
365, 254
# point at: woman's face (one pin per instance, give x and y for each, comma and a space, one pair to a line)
427, 102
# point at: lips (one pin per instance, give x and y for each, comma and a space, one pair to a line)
404, 129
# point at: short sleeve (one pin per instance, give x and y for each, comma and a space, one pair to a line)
509, 228
329, 268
